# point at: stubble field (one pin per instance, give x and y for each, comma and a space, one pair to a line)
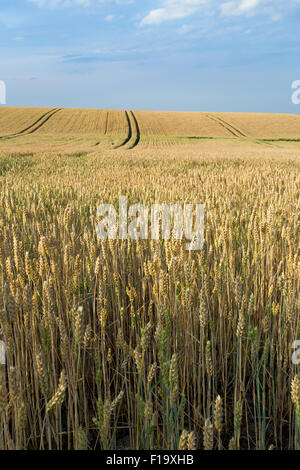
114, 344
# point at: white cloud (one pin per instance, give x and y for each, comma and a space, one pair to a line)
184, 29
173, 9
109, 18
239, 7
177, 9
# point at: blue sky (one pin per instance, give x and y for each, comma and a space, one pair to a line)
207, 55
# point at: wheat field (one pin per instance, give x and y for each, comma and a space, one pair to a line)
140, 344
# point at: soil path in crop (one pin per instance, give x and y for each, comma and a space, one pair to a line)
129, 133
134, 134
233, 130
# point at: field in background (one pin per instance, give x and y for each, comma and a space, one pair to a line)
142, 345
45, 126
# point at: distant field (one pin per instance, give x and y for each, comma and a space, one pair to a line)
77, 121
265, 126
130, 128
181, 124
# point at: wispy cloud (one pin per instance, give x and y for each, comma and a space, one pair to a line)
172, 10
178, 9
73, 3
246, 7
